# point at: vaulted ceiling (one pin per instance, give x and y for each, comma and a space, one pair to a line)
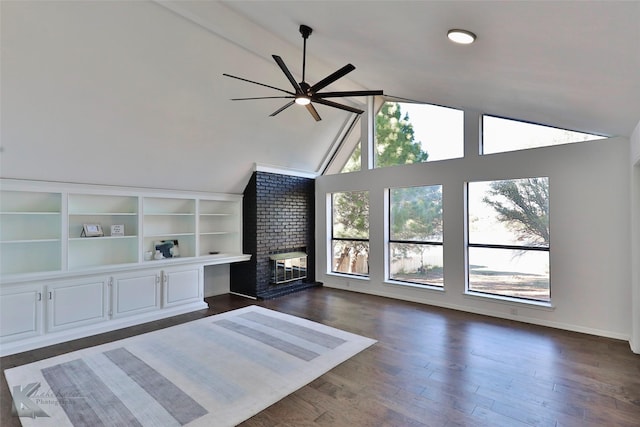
567, 64
573, 64
141, 82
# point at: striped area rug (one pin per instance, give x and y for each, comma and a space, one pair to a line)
216, 371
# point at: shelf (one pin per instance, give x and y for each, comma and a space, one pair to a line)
29, 213
89, 252
157, 236
75, 239
169, 214
220, 225
31, 232
29, 241
42, 223
104, 214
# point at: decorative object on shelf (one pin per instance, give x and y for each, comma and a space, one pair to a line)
168, 248
158, 255
117, 230
92, 230
148, 256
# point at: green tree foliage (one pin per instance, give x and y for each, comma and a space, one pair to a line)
351, 214
523, 204
395, 144
416, 213
354, 162
350, 221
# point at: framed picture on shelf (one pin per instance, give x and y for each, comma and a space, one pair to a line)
168, 248
117, 230
91, 230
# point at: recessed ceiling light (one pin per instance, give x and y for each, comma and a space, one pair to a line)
461, 36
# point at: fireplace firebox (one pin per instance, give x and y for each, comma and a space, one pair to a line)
287, 267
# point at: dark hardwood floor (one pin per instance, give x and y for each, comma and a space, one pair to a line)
430, 367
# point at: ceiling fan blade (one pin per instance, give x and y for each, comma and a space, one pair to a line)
332, 78
256, 83
348, 93
287, 73
336, 105
279, 110
263, 97
312, 110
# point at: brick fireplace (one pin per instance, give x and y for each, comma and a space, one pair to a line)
278, 219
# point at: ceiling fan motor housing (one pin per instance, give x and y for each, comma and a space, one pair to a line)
305, 31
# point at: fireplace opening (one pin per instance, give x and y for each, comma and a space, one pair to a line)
287, 267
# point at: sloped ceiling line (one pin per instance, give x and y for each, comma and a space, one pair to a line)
227, 24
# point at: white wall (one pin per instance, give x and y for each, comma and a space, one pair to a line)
589, 219
129, 93
216, 280
635, 233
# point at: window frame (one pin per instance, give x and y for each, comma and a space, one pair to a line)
598, 137
389, 241
496, 296
392, 100
332, 238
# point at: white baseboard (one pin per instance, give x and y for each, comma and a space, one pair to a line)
519, 318
48, 339
243, 295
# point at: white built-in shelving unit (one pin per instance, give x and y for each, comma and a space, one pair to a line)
219, 225
30, 231
57, 284
106, 210
170, 219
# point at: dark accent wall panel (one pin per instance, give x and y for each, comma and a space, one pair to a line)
278, 216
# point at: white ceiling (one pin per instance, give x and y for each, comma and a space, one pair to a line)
572, 64
145, 78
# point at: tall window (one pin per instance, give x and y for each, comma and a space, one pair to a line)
350, 232
408, 133
415, 235
500, 135
508, 241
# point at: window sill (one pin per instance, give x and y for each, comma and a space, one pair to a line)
395, 283
548, 306
347, 276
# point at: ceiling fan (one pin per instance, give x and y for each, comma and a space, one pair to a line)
305, 94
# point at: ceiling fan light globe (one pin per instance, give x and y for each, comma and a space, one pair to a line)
303, 100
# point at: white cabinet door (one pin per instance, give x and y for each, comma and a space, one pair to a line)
78, 302
135, 293
182, 285
20, 312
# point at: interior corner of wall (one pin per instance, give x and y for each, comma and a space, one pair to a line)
634, 142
